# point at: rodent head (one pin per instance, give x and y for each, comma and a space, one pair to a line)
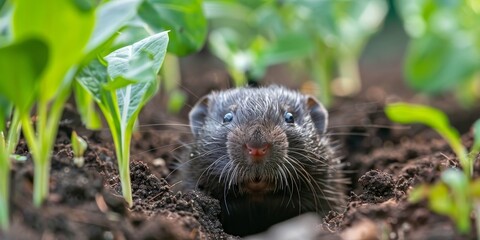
250, 138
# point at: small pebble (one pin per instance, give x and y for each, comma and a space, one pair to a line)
159, 162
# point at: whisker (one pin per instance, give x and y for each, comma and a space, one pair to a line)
400, 127
348, 134
164, 125
156, 148
189, 161
209, 166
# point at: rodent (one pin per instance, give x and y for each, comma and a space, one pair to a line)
264, 154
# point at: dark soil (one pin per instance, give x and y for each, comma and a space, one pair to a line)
383, 161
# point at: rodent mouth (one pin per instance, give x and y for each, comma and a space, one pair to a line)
258, 186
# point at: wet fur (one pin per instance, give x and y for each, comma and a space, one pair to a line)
301, 164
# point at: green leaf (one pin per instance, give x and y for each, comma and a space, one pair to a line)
111, 16
137, 68
133, 32
5, 23
5, 112
86, 107
140, 61
406, 113
132, 98
439, 199
84, 5
64, 28
93, 77
78, 145
434, 63
456, 180
184, 18
21, 65
117, 83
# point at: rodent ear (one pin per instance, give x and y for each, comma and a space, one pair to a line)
318, 113
197, 115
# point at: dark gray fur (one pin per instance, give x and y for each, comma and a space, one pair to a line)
301, 166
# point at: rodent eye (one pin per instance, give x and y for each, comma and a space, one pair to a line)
289, 117
228, 117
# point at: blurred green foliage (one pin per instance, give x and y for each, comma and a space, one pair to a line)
444, 51
455, 195
184, 18
324, 37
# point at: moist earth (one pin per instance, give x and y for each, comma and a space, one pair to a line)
382, 160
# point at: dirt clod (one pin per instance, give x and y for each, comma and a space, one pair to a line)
378, 186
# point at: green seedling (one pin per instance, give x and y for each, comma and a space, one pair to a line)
456, 194
39, 62
8, 141
47, 47
121, 89
20, 63
51, 90
130, 80
78, 146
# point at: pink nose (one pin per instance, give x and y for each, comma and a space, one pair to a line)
257, 152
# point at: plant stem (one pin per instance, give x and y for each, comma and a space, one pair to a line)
170, 73
41, 145
459, 149
118, 135
477, 218
4, 184
41, 165
321, 67
349, 81
239, 78
124, 170
13, 132
6, 148
29, 134
40, 182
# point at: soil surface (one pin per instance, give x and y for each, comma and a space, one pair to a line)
382, 160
